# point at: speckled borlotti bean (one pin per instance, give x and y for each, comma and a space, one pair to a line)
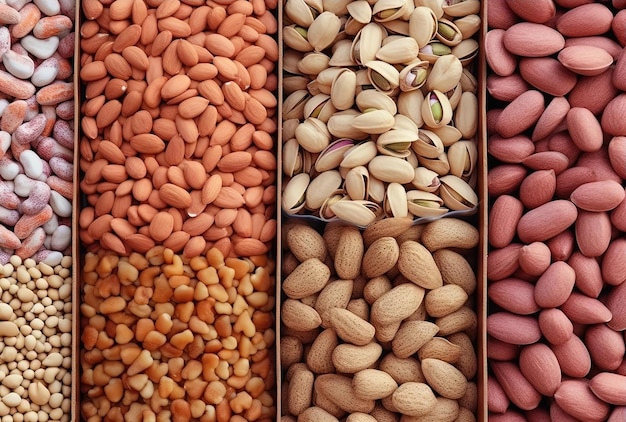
556, 261
36, 78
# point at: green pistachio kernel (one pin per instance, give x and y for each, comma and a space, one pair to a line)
398, 146
386, 14
446, 31
425, 203
440, 49
302, 31
417, 76
380, 81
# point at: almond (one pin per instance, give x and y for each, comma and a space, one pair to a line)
147, 143
610, 122
397, 304
300, 391
299, 316
380, 257
573, 357
444, 378
609, 387
540, 12
305, 242
308, 278
319, 357
373, 384
497, 400
449, 233
349, 253
175, 196
455, 269
530, 105
577, 400
533, 40
514, 329
402, 370
598, 196
532, 69
349, 358
161, 226
513, 295
336, 294
316, 414
234, 95
583, 309
457, 321
192, 107
416, 263
386, 227
440, 348
444, 300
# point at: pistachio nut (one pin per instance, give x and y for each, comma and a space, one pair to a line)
403, 122
289, 128
295, 159
327, 76
367, 42
468, 25
435, 5
292, 83
448, 134
313, 63
358, 212
410, 6
466, 115
445, 74
296, 37
422, 25
466, 50
376, 190
468, 81
352, 26
439, 165
463, 157
428, 144
457, 194
293, 106
343, 90
413, 76
448, 33
409, 104
303, 12
425, 204
373, 121
454, 96
383, 76
356, 182
340, 125
397, 26
391, 169
291, 59
314, 88
371, 99
360, 11
426, 180
324, 30
434, 50
320, 107
321, 187
294, 193
399, 50
395, 203
332, 156
412, 159
313, 135
436, 109
342, 54
363, 81
359, 155
388, 10
396, 142
325, 213
338, 7
460, 8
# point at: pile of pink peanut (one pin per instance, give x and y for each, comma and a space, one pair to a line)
557, 262
36, 129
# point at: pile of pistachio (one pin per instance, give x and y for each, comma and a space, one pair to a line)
380, 111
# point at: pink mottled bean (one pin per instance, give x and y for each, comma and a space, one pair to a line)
9, 217
29, 222
5, 40
46, 72
30, 131
62, 168
48, 147
8, 239
9, 169
33, 165
31, 244
65, 111
33, 108
61, 186
8, 199
64, 134
37, 199
51, 118
52, 258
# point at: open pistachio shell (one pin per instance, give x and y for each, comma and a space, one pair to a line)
314, 88
445, 74
376, 190
313, 135
448, 134
463, 156
426, 180
435, 5
395, 203
466, 115
397, 26
367, 42
425, 204
422, 25
352, 26
302, 12
413, 76
320, 107
454, 96
332, 156
343, 90
466, 50
468, 25
342, 54
293, 106
338, 7
403, 122
388, 10
294, 193
459, 8
357, 182
360, 11
383, 76
436, 109
434, 50
409, 104
412, 159
289, 128
439, 165
373, 121
340, 125
448, 33
468, 81
327, 76
360, 213
428, 144
371, 99
396, 142
324, 30
313, 63
399, 50
457, 194
295, 159
296, 37
294, 83
359, 155
291, 59
410, 6
321, 187
325, 213
391, 169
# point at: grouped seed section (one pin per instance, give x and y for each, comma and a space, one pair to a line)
36, 190
557, 222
